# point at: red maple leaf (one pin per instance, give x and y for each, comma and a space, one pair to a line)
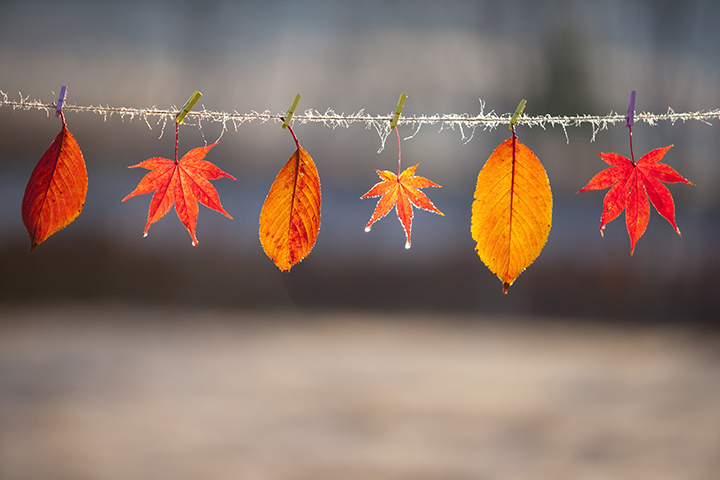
401, 192
632, 184
182, 183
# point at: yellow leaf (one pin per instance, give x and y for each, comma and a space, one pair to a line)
290, 217
512, 211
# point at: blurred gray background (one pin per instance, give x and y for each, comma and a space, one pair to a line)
564, 57
90, 386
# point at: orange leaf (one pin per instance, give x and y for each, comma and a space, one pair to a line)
512, 211
402, 193
183, 183
55, 193
632, 184
290, 216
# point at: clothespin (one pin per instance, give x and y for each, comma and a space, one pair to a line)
187, 107
630, 115
398, 111
61, 100
291, 111
518, 111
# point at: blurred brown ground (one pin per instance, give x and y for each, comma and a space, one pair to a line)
107, 393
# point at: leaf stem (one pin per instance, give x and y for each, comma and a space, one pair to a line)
398, 138
632, 155
629, 120
297, 144
177, 139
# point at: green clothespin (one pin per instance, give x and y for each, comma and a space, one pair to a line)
398, 111
518, 112
187, 107
291, 111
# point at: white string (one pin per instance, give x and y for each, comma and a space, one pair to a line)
465, 123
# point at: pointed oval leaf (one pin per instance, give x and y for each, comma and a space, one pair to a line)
290, 216
56, 191
512, 210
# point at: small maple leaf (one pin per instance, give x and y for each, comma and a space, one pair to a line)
182, 183
632, 184
401, 192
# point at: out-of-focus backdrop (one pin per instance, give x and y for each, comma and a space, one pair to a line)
123, 356
564, 57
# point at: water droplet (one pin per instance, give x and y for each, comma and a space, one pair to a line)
407, 245
367, 229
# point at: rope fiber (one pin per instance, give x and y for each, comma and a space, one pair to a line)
381, 123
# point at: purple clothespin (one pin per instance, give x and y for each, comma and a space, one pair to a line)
61, 100
630, 116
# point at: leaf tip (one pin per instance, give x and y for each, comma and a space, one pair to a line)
506, 287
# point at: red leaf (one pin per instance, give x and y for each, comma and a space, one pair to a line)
632, 184
183, 183
56, 191
402, 193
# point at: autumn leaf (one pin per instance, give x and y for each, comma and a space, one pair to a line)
512, 210
632, 184
183, 183
56, 191
402, 192
290, 216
